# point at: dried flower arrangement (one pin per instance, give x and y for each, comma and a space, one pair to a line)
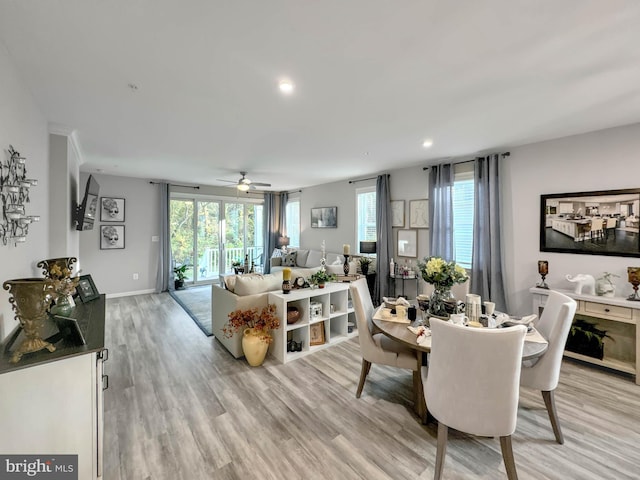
262, 320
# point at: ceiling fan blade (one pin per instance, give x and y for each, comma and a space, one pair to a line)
228, 181
259, 184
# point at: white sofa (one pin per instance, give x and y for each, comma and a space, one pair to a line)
307, 262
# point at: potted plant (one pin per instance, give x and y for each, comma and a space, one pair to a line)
236, 266
585, 338
442, 275
256, 325
365, 262
321, 277
180, 273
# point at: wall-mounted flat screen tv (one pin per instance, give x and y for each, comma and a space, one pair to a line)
596, 223
86, 211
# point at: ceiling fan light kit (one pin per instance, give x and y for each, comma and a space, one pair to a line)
244, 184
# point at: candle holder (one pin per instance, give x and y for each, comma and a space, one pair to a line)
634, 279
345, 267
543, 270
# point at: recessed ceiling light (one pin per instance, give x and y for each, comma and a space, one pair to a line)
427, 143
286, 86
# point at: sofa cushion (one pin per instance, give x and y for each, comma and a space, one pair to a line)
301, 258
289, 260
252, 284
229, 282
313, 259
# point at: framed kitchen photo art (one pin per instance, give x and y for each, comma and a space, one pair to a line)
111, 209
324, 217
603, 222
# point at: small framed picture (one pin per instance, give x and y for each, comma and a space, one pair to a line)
419, 214
111, 237
407, 243
317, 334
397, 213
87, 289
111, 209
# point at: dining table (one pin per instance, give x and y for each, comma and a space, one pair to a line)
397, 330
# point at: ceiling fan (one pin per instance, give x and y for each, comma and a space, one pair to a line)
244, 184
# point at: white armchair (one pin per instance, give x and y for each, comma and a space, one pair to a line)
376, 347
472, 384
544, 372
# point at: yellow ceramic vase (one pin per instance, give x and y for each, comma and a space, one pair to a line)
254, 346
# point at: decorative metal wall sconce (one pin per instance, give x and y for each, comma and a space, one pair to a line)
14, 193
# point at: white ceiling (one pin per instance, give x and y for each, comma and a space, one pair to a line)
373, 78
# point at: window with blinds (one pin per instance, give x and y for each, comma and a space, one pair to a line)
366, 221
463, 207
292, 217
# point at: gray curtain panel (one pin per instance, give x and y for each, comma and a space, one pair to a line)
284, 198
271, 232
385, 238
164, 255
486, 270
441, 211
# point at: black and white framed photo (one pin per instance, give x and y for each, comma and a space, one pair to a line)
324, 217
111, 237
604, 222
111, 209
87, 289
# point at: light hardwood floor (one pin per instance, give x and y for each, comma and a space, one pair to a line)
180, 407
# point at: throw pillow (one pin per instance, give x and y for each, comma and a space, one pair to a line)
289, 260
277, 253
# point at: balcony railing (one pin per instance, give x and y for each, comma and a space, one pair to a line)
209, 261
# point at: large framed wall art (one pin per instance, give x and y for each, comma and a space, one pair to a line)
324, 217
597, 223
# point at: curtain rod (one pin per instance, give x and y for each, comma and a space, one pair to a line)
176, 185
505, 154
362, 180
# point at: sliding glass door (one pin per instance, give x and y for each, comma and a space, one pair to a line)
198, 228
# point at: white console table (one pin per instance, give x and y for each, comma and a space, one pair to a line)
618, 316
335, 323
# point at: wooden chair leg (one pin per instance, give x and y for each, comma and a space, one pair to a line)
366, 366
443, 432
550, 403
507, 456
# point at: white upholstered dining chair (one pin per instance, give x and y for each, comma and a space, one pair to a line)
376, 347
543, 373
473, 384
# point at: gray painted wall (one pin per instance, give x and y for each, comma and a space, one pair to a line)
603, 160
112, 270
23, 126
63, 178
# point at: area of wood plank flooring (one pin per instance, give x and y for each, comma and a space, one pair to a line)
179, 406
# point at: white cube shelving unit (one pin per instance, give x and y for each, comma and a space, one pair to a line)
336, 322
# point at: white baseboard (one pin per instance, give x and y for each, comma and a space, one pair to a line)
129, 294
